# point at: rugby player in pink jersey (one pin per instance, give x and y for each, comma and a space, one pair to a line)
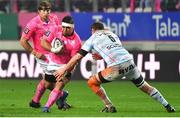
58, 58
33, 32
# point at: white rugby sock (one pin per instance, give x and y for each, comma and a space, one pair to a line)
102, 94
158, 97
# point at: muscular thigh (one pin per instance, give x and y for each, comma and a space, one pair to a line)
109, 74
133, 74
127, 69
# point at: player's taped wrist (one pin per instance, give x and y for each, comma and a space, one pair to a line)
56, 50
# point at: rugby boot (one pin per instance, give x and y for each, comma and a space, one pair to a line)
169, 108
62, 101
34, 104
45, 109
110, 109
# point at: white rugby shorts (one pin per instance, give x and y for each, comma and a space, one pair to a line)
127, 69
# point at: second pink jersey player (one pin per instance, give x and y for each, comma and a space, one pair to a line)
71, 45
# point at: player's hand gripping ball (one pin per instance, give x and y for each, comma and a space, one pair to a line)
57, 45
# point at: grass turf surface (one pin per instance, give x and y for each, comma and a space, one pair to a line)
129, 101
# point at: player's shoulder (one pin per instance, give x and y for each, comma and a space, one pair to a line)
92, 36
77, 37
59, 27
33, 22
35, 19
53, 16
56, 29
76, 34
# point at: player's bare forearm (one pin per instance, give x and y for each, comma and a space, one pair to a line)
59, 74
25, 44
73, 62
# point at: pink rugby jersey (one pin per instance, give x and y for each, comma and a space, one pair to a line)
36, 28
72, 45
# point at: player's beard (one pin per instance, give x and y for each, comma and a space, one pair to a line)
67, 35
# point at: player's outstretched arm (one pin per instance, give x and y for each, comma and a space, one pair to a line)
68, 67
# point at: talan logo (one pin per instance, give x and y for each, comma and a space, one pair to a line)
119, 28
166, 27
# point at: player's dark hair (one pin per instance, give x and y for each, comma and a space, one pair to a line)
44, 4
97, 26
68, 19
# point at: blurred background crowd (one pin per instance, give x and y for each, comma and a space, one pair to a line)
15, 6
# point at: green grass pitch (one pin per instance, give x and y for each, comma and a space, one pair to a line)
129, 101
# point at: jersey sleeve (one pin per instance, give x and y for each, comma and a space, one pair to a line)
29, 30
77, 46
88, 45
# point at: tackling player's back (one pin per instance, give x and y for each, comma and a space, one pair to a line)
108, 45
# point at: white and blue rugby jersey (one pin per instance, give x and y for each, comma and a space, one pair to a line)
108, 45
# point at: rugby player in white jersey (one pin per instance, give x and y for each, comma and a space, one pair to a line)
119, 64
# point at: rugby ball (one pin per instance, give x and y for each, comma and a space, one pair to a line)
56, 43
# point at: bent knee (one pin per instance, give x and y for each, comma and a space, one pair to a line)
93, 84
93, 81
139, 82
147, 88
48, 85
